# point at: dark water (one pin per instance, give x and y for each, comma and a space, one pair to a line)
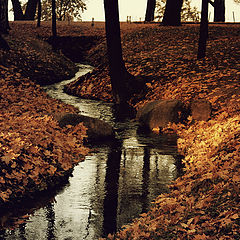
114, 184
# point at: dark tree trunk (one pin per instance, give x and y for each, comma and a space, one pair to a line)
31, 10
6, 12
203, 30
17, 10
111, 189
39, 13
54, 24
151, 4
3, 43
4, 25
219, 11
172, 14
118, 73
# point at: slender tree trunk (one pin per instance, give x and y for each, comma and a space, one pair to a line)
17, 10
4, 25
3, 43
39, 13
31, 10
172, 14
203, 30
118, 72
6, 12
219, 11
54, 24
149, 16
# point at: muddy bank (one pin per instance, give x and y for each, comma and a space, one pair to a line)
75, 48
35, 59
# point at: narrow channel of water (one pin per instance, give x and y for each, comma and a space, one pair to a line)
114, 184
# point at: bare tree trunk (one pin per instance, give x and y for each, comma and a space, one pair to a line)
17, 10
39, 13
172, 14
203, 30
219, 11
3, 43
54, 24
6, 12
4, 25
151, 4
118, 73
31, 10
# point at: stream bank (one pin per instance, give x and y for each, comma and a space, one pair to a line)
216, 79
114, 184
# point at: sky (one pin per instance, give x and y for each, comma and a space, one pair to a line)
136, 9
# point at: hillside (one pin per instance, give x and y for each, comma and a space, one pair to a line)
204, 202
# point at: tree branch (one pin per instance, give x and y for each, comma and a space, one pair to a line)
212, 3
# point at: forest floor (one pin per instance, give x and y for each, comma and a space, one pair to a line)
203, 203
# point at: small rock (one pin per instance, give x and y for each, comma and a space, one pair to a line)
158, 114
97, 130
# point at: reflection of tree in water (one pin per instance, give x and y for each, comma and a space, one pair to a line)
127, 175
2, 233
50, 216
145, 179
22, 230
111, 188
134, 176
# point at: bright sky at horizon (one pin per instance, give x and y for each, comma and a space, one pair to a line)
136, 9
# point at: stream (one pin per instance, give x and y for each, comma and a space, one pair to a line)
115, 183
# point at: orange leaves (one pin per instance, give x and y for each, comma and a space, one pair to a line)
5, 195
51, 170
35, 147
204, 202
236, 178
32, 146
2, 180
92, 86
8, 157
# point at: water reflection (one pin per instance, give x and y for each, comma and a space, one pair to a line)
111, 189
145, 180
50, 217
114, 184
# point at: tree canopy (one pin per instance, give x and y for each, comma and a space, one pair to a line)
65, 9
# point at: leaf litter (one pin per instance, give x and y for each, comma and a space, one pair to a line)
204, 202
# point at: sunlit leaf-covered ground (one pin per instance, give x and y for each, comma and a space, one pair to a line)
204, 202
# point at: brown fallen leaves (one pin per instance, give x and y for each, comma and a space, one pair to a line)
34, 151
204, 202
33, 57
169, 65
